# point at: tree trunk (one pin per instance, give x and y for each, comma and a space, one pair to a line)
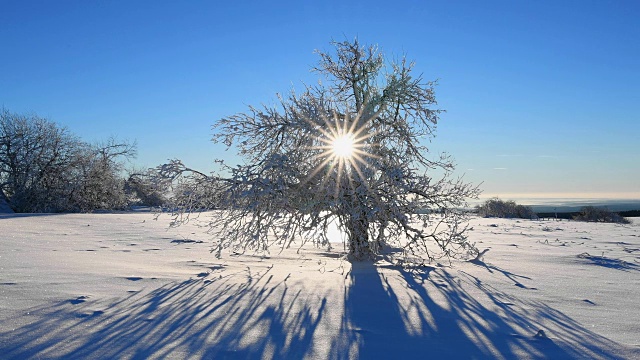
358, 237
4, 203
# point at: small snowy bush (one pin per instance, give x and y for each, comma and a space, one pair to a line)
596, 214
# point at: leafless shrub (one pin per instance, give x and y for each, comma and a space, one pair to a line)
596, 214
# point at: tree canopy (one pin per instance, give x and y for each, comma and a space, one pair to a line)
351, 151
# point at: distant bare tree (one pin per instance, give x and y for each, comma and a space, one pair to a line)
351, 153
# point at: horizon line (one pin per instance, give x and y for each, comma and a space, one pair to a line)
632, 196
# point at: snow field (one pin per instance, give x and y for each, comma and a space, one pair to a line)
127, 286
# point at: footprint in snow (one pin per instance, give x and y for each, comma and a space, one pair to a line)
186, 241
524, 287
540, 335
79, 300
90, 314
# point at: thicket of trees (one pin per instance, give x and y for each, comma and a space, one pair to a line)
504, 209
45, 168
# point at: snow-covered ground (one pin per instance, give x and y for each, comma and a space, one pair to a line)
119, 286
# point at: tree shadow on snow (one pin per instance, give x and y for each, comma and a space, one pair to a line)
381, 312
611, 263
217, 318
430, 313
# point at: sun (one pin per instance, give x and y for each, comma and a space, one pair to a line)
341, 149
343, 146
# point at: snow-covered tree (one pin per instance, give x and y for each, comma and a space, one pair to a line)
45, 168
146, 187
35, 156
98, 181
350, 151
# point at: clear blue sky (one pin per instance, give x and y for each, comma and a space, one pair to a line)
542, 97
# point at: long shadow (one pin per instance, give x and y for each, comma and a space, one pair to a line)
216, 318
611, 263
397, 313
384, 312
507, 274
